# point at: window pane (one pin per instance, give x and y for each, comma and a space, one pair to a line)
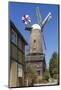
14, 37
20, 70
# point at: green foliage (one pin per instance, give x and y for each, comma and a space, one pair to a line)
39, 79
53, 66
31, 74
46, 75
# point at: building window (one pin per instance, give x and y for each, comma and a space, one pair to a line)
14, 37
34, 41
20, 70
34, 45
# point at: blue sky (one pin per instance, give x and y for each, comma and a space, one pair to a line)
17, 10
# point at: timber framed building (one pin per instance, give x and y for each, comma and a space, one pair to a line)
17, 57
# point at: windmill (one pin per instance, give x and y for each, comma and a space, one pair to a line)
36, 56
26, 19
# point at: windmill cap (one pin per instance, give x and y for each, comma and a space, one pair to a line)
36, 26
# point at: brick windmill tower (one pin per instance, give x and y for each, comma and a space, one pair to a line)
36, 56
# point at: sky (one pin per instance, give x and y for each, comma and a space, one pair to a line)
50, 31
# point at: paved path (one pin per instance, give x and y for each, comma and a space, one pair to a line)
54, 83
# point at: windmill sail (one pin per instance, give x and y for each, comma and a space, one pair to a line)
38, 16
46, 20
44, 41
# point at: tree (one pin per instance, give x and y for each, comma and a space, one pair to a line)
53, 66
31, 75
46, 75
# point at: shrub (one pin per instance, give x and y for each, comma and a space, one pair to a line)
46, 75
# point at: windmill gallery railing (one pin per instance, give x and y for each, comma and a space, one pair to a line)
32, 57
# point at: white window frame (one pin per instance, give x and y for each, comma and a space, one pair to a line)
20, 70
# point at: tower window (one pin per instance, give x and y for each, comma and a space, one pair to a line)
34, 45
34, 41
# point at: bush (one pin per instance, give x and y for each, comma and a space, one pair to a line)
53, 66
46, 75
39, 79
